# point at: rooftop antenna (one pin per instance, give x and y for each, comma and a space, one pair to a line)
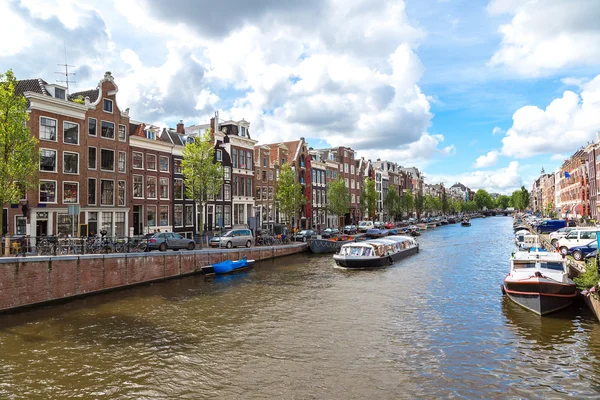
66, 73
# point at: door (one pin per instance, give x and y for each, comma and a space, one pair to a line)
4, 221
41, 228
137, 226
179, 241
209, 217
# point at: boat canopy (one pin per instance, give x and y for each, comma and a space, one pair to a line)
379, 246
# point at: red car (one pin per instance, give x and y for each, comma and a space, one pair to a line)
389, 225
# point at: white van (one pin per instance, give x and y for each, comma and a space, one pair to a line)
577, 237
364, 226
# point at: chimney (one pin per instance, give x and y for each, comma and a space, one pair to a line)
180, 128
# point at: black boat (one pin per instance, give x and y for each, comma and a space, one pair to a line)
375, 253
465, 222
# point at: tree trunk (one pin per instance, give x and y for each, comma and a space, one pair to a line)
201, 227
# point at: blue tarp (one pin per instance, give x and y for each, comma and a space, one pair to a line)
228, 266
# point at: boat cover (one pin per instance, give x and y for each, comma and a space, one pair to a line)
228, 266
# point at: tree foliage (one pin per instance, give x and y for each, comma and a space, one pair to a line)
19, 158
502, 202
419, 204
445, 205
483, 200
393, 203
203, 177
338, 198
289, 193
369, 194
520, 199
407, 203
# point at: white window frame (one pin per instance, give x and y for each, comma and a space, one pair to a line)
156, 188
124, 165
182, 214
168, 214
168, 168
88, 192
55, 192
78, 133
182, 189
133, 164
18, 217
113, 196
160, 189
155, 162
124, 193
107, 138
88, 157
143, 186
112, 106
227, 173
88, 121
55, 161
40, 129
78, 163
119, 132
63, 192
219, 155
107, 170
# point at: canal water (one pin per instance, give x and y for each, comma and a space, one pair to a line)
434, 325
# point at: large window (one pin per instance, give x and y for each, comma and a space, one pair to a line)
227, 192
107, 105
92, 157
70, 192
107, 160
107, 192
151, 162
108, 130
70, 162
178, 215
151, 216
164, 188
178, 189
177, 168
164, 215
258, 189
138, 186
234, 157
91, 191
227, 173
138, 160
163, 164
65, 223
122, 133
249, 160
48, 129
242, 159
248, 187
107, 223
47, 192
227, 216
264, 161
235, 185
20, 225
189, 215
70, 133
92, 126
48, 160
151, 187
219, 155
121, 193
120, 223
122, 161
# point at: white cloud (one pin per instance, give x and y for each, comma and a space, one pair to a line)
502, 180
571, 81
497, 130
487, 160
559, 157
564, 125
548, 35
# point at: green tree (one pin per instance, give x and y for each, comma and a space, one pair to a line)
524, 197
445, 204
483, 200
338, 199
502, 202
19, 158
289, 193
202, 176
369, 194
391, 202
520, 199
419, 204
407, 202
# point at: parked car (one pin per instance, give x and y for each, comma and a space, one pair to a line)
593, 254
330, 232
550, 226
577, 237
579, 252
350, 230
169, 240
233, 238
364, 226
389, 225
304, 235
559, 234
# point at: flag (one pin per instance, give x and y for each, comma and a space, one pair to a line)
567, 175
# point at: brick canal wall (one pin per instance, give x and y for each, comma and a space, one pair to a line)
38, 280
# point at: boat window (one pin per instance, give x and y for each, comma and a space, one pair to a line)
557, 266
530, 264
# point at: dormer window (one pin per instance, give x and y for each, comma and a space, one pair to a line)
242, 131
150, 135
107, 106
59, 93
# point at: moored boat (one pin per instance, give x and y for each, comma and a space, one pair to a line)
422, 226
465, 222
227, 267
376, 253
332, 245
539, 281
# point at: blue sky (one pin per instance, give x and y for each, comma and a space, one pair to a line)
461, 89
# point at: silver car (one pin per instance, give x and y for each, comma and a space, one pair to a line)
233, 238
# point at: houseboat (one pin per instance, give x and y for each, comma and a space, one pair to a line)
375, 253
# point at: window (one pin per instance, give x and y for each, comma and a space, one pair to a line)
151, 216
163, 164
151, 187
249, 160
352, 169
242, 131
92, 126
220, 194
108, 130
271, 175
122, 161
151, 162
265, 161
353, 198
47, 192
20, 225
48, 129
107, 192
107, 106
164, 215
70, 192
258, 189
346, 168
121, 193
242, 189
282, 161
122, 133
178, 167
64, 224
235, 186
189, 215
248, 187
150, 134
219, 215
138, 186
178, 189
264, 175
227, 192
257, 175
242, 159
92, 221
314, 176
91, 191
48, 160
119, 224
219, 155
264, 193
107, 160
164, 188
70, 133
70, 163
138, 160
92, 157
178, 215
227, 215
59, 93
234, 158
270, 193
227, 173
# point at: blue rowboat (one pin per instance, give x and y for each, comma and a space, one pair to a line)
228, 266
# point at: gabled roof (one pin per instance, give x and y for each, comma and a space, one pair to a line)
36, 85
92, 94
